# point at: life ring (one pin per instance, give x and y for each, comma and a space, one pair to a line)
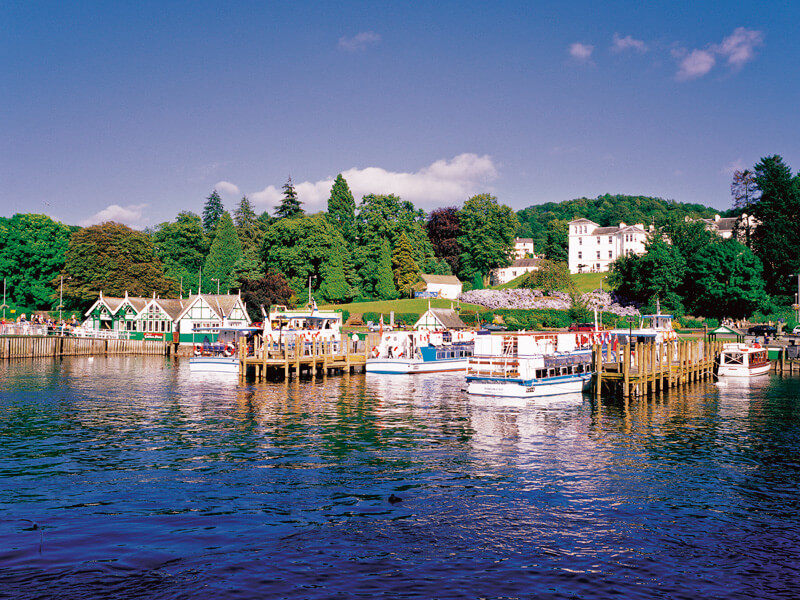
375, 352
198, 350
228, 350
756, 345
396, 351
399, 354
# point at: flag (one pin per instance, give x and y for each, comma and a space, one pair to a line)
314, 308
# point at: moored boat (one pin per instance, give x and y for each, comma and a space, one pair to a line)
421, 351
528, 365
742, 360
217, 352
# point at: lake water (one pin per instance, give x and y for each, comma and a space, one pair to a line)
132, 478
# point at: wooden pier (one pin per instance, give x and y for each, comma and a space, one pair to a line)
314, 357
642, 369
39, 346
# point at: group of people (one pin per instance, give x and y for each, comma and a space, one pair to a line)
38, 320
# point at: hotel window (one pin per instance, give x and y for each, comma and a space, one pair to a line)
598, 254
580, 241
598, 240
610, 254
610, 240
580, 254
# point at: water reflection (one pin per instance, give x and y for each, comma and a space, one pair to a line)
146, 480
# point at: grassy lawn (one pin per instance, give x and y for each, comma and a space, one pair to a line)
410, 305
585, 282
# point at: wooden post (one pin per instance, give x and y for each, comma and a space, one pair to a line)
626, 371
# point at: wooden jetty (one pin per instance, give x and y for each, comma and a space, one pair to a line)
641, 369
315, 357
40, 346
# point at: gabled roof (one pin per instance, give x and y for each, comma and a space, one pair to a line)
440, 279
222, 304
523, 240
526, 262
173, 307
583, 221
448, 318
113, 304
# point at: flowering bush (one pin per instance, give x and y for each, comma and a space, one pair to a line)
529, 299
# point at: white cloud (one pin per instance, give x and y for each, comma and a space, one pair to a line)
620, 44
445, 182
732, 167
359, 41
130, 215
581, 52
739, 47
226, 188
696, 64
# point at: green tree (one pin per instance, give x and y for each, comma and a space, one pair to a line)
385, 288
334, 286
556, 245
182, 247
290, 207
301, 248
386, 218
406, 271
225, 253
775, 239
114, 259
487, 239
551, 276
32, 249
247, 225
212, 212
342, 209
656, 275
725, 280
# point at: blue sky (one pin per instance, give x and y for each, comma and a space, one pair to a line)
136, 111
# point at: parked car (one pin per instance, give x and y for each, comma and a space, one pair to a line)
494, 327
796, 330
581, 327
762, 330
372, 326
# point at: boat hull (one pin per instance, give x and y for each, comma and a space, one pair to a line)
536, 388
214, 364
388, 366
743, 371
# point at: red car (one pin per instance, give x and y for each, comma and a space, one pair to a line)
581, 327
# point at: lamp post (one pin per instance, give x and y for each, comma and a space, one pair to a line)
5, 306
217, 280
61, 299
310, 277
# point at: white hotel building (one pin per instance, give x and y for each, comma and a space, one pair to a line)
593, 248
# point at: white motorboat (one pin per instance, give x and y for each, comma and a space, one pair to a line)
742, 360
421, 351
528, 365
218, 351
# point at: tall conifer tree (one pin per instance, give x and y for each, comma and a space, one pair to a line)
226, 250
342, 209
290, 206
405, 268
212, 212
385, 288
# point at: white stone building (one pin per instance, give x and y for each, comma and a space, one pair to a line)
523, 248
442, 286
593, 248
519, 267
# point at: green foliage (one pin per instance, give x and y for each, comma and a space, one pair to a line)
656, 275
605, 210
32, 249
182, 247
385, 288
551, 276
248, 227
724, 280
334, 287
776, 240
290, 207
477, 281
487, 238
556, 246
112, 258
224, 255
212, 212
406, 271
303, 247
342, 209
